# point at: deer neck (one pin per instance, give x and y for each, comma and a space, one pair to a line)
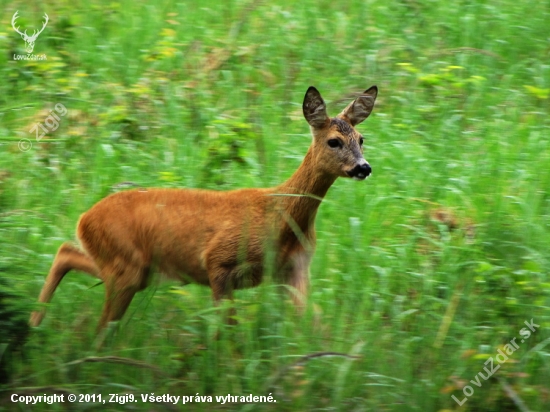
306, 188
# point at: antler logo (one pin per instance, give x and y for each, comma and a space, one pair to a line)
29, 40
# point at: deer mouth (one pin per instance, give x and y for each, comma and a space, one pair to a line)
360, 172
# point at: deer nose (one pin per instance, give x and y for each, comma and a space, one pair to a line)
361, 171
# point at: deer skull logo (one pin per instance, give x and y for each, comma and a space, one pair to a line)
29, 40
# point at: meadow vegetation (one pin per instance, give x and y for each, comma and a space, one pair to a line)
422, 273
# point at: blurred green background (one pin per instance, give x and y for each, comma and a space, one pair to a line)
422, 272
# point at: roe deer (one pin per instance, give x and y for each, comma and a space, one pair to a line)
214, 238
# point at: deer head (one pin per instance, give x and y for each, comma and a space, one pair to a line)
337, 145
29, 40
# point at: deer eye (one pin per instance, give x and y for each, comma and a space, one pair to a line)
361, 141
334, 143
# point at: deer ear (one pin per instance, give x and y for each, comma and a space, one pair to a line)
360, 108
315, 109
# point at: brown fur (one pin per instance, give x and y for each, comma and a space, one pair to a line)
214, 238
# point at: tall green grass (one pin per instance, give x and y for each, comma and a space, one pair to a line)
421, 273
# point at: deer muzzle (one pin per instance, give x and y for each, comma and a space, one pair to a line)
360, 171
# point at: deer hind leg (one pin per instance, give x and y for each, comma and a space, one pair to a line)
120, 288
68, 258
116, 304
